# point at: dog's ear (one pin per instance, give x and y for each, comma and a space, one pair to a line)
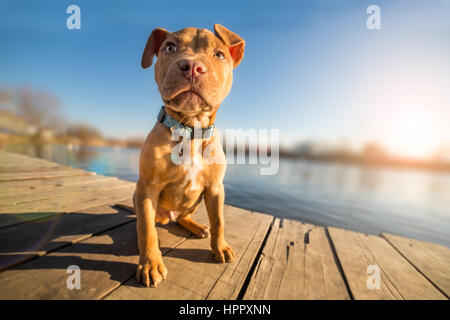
154, 42
235, 43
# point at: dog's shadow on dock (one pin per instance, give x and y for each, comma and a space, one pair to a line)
197, 254
65, 240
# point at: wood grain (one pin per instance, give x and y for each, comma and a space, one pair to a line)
13, 176
60, 191
296, 263
399, 279
430, 259
72, 201
13, 188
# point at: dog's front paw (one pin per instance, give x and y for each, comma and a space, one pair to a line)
200, 231
151, 269
223, 252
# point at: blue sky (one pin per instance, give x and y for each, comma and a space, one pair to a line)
312, 68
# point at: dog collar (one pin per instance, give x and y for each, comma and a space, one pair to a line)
186, 131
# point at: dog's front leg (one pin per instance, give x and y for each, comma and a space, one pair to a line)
151, 269
214, 200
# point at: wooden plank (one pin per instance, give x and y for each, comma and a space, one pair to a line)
105, 260
9, 159
17, 163
193, 273
46, 208
12, 188
72, 202
26, 241
19, 169
399, 279
430, 259
43, 175
296, 263
61, 191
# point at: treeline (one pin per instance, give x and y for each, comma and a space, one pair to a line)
28, 115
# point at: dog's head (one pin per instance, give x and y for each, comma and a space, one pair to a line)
194, 70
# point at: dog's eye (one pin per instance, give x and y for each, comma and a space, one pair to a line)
171, 48
219, 55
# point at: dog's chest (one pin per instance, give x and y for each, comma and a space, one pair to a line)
184, 191
192, 174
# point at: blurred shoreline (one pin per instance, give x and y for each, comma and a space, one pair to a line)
365, 158
361, 159
34, 117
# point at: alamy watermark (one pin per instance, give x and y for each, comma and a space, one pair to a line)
374, 280
373, 22
249, 146
74, 20
74, 280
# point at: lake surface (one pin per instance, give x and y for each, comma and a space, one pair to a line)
407, 202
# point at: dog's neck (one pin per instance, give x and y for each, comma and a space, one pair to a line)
206, 119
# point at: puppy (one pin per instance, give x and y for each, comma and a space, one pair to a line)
194, 74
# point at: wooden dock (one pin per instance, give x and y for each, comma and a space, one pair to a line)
53, 217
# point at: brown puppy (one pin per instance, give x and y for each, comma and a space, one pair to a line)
194, 73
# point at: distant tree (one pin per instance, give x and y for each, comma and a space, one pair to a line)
5, 95
304, 148
372, 150
39, 108
135, 142
83, 132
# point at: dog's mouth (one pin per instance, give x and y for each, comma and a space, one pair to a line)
187, 97
190, 95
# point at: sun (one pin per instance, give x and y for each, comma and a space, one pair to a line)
408, 113
412, 133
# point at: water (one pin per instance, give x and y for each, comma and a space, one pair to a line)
407, 202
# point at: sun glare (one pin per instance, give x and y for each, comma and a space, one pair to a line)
410, 116
412, 134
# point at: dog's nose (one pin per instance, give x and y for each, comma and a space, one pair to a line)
192, 68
